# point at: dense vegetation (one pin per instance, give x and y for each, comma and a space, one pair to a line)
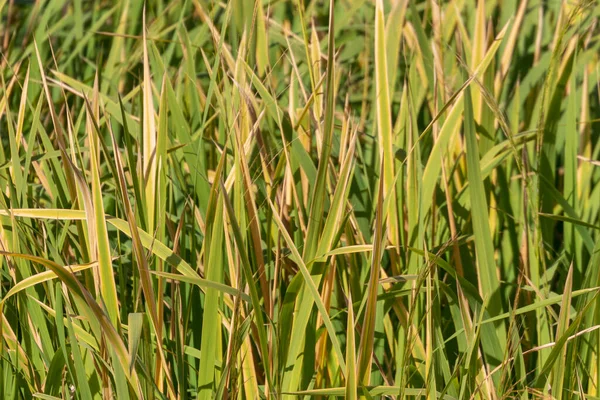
283, 198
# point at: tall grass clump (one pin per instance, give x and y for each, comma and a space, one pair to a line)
283, 199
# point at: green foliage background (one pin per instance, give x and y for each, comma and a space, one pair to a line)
299, 198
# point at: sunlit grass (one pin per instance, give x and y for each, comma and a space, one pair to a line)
299, 199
